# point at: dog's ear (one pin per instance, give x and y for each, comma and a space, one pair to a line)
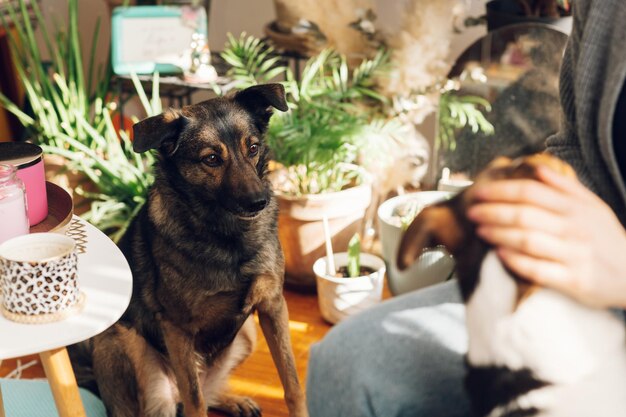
162, 131
434, 225
259, 100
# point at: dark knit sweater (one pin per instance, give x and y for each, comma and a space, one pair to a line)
592, 76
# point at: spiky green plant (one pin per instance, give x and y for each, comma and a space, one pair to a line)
73, 119
122, 177
334, 113
59, 94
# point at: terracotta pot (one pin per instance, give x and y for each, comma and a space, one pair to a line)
301, 231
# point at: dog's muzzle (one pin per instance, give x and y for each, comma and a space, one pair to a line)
249, 210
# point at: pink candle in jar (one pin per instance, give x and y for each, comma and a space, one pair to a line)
13, 211
27, 158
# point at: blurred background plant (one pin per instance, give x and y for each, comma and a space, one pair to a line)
458, 111
121, 176
59, 98
336, 115
71, 116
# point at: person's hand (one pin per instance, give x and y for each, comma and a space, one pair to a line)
555, 233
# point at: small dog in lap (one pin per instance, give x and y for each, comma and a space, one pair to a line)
533, 351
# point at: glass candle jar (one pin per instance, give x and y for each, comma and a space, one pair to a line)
27, 158
13, 210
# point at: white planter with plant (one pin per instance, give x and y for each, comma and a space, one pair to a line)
435, 265
355, 285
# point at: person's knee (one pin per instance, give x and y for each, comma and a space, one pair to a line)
401, 358
335, 367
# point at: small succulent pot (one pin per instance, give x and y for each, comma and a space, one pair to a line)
340, 296
39, 278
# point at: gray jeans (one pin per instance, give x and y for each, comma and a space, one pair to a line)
402, 358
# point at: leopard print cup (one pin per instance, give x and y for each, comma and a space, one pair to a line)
38, 274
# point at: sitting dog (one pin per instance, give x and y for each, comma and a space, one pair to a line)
532, 351
205, 256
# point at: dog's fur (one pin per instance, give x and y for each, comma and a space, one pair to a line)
205, 255
532, 351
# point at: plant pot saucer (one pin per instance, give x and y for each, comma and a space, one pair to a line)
60, 211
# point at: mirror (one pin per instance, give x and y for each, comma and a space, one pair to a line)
516, 70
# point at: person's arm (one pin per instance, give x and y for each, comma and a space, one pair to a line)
565, 143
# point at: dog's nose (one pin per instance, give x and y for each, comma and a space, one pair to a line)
256, 205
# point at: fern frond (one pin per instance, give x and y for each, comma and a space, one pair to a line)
364, 74
460, 111
252, 61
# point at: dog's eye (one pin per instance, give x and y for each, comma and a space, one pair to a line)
253, 149
213, 160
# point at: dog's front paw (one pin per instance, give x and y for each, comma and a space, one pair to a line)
299, 412
237, 406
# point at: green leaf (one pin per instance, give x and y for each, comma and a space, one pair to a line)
457, 112
141, 93
354, 256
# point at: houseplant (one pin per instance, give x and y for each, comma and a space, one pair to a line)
71, 118
356, 284
335, 120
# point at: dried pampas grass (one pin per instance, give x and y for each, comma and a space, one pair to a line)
419, 52
421, 47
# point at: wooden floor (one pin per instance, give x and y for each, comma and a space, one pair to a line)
257, 377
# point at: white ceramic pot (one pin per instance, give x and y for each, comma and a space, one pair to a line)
435, 265
339, 298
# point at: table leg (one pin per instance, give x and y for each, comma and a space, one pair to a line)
1, 403
58, 368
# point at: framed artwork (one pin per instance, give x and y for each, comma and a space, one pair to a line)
148, 39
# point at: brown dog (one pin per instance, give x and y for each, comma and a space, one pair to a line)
532, 351
205, 256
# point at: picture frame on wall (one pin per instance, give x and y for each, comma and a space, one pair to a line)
148, 39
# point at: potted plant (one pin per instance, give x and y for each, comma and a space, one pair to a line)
334, 120
394, 216
355, 285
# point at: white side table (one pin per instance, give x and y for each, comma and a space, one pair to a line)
106, 280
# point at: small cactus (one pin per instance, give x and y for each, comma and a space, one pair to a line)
354, 256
